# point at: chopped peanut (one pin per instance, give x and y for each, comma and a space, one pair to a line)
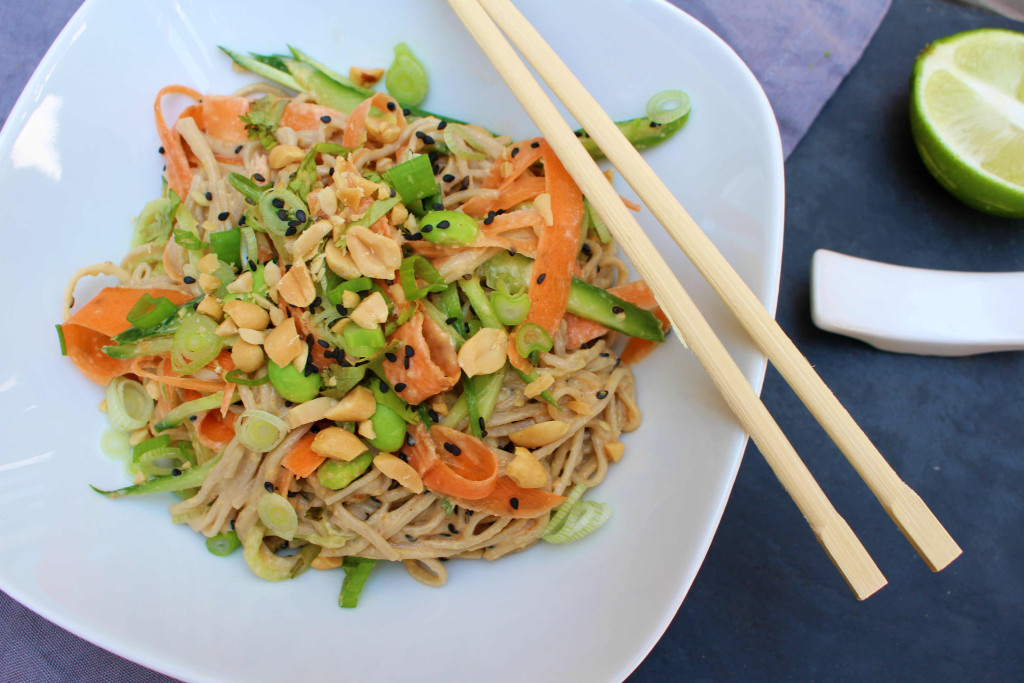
328, 201
364, 77
526, 470
210, 307
400, 471
282, 345
304, 245
246, 314
542, 203
246, 357
366, 430
614, 450
282, 155
296, 286
242, 283
309, 411
321, 562
208, 263
340, 262
256, 337
271, 274
540, 385
209, 283
484, 352
540, 434
356, 406
226, 329
376, 256
371, 312
578, 407
338, 444
350, 299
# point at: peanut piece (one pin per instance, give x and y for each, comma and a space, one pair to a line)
338, 444
400, 471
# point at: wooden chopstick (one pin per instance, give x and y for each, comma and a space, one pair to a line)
831, 529
904, 506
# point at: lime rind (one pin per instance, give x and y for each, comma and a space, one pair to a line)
967, 117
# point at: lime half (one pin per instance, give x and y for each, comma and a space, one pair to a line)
967, 116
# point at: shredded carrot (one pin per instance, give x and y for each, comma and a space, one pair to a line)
434, 365
85, 350
559, 243
514, 220
529, 503
201, 385
179, 175
301, 459
229, 395
470, 475
284, 481
306, 115
215, 430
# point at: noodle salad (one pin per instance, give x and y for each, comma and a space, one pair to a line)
350, 330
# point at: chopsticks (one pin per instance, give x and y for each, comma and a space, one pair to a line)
909, 512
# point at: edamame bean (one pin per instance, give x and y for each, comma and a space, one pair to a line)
448, 227
337, 474
294, 385
389, 428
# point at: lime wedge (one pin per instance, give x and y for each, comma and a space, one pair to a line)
967, 116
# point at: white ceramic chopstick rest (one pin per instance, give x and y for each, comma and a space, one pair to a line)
916, 310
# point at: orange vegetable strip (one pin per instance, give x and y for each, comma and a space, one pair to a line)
301, 459
179, 175
508, 499
522, 218
559, 243
107, 312
307, 115
522, 190
471, 474
434, 365
637, 349
85, 350
202, 385
215, 431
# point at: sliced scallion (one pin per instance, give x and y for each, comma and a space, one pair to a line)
224, 544
414, 267
458, 144
356, 571
236, 376
531, 338
60, 337
277, 515
511, 309
187, 479
278, 220
406, 79
413, 179
251, 254
227, 245
260, 431
187, 409
150, 311
129, 407
196, 343
667, 106
114, 443
575, 517
362, 343
158, 462
478, 300
359, 284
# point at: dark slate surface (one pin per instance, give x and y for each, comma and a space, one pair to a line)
767, 604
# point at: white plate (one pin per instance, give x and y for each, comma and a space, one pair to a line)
78, 159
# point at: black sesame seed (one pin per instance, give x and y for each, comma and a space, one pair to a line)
411, 539
515, 151
316, 302
176, 472
420, 134
291, 231
535, 144
499, 212
434, 417
601, 395
344, 363
409, 440
654, 125
448, 177
189, 279
393, 192
605, 354
483, 433
341, 309
392, 358
514, 502
232, 525
300, 216
414, 237
282, 214
409, 351
489, 219
433, 157
465, 183
426, 228
238, 149
403, 457
480, 422
450, 321
452, 448
540, 278
438, 206
295, 223
330, 171
252, 265
223, 215
392, 106
161, 150
586, 249
400, 387
315, 429
323, 343
442, 125
278, 203
241, 221
406, 111
325, 118
443, 225
288, 404
405, 362
384, 387
617, 309
451, 528
209, 196
258, 177
269, 486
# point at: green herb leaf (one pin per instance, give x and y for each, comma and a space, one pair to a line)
263, 118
